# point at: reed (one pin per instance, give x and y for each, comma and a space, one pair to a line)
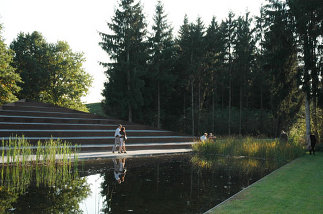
250, 147
18, 151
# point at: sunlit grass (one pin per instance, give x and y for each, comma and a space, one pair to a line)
294, 188
250, 147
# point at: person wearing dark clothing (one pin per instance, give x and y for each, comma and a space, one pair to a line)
313, 143
123, 140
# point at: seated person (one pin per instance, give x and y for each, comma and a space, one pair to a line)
212, 137
203, 137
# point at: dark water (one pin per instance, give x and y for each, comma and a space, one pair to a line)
164, 184
169, 184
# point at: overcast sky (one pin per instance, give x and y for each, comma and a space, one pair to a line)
79, 21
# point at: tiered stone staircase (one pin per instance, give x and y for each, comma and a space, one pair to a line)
39, 121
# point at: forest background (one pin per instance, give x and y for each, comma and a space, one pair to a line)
239, 76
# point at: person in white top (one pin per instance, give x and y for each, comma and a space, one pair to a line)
117, 136
119, 171
203, 137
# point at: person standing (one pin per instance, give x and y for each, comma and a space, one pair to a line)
117, 136
313, 143
123, 139
119, 171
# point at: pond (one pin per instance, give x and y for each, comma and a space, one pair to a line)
158, 184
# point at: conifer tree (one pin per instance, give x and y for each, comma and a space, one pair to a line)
228, 29
162, 58
243, 58
281, 62
127, 48
308, 21
213, 60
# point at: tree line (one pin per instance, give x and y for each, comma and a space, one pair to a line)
33, 69
242, 75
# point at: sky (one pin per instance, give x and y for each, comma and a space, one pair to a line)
78, 22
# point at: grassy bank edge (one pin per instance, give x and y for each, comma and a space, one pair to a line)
293, 188
96, 108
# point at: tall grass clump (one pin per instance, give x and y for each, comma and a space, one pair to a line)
18, 151
250, 147
53, 161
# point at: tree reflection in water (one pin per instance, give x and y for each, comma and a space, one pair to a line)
41, 189
176, 184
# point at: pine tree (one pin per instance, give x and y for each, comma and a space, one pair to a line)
281, 62
308, 21
228, 30
127, 48
244, 47
162, 57
213, 60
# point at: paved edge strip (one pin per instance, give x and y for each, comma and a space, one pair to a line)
110, 145
212, 210
77, 130
60, 118
65, 124
109, 154
46, 112
95, 137
147, 153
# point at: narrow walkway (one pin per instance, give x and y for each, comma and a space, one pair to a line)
137, 153
109, 154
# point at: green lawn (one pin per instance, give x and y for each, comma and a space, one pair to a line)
95, 108
295, 188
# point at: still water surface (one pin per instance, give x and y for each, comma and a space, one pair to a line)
167, 184
163, 184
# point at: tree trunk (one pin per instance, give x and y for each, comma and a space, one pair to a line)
261, 112
307, 116
213, 110
240, 113
230, 92
199, 109
192, 109
158, 104
184, 113
315, 119
129, 88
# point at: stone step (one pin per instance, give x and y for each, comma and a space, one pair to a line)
39, 108
39, 119
79, 133
49, 114
69, 126
110, 139
42, 122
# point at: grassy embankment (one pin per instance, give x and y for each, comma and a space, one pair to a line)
96, 108
294, 188
249, 147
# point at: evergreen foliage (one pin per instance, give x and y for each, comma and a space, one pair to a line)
127, 47
244, 75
